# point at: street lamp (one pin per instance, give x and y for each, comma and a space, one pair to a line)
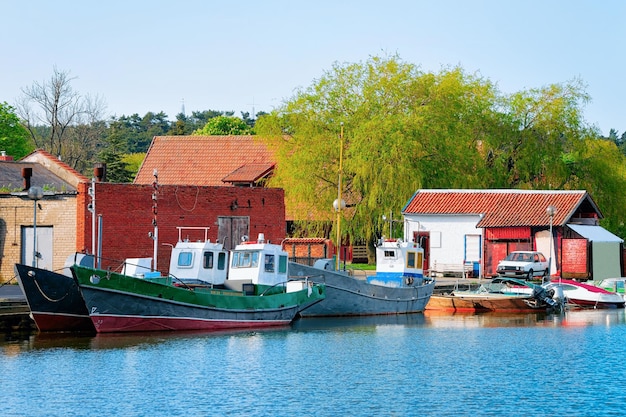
551, 211
339, 204
35, 193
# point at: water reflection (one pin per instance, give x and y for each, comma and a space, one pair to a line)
14, 344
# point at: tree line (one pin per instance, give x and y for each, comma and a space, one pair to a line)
402, 129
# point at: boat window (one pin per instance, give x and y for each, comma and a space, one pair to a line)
185, 259
282, 264
208, 260
410, 259
221, 261
269, 263
390, 254
245, 259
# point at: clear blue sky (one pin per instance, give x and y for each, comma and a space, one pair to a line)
142, 56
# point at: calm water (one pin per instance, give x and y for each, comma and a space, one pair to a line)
432, 365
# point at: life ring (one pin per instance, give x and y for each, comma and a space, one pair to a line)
408, 280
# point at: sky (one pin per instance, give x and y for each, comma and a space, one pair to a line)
194, 55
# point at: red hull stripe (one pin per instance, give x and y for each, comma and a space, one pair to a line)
57, 322
109, 324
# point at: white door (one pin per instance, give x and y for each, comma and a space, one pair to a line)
44, 246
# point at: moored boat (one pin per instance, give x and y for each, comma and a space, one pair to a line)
501, 294
54, 299
201, 292
398, 287
580, 295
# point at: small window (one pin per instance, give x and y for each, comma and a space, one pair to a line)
208, 260
390, 254
410, 259
221, 261
282, 264
185, 259
269, 263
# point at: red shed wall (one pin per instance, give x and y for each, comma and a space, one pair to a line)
127, 216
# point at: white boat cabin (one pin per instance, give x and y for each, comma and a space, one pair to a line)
398, 264
199, 262
258, 262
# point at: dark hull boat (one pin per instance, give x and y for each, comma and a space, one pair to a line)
200, 292
54, 299
399, 286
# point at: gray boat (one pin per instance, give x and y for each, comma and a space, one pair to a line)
398, 287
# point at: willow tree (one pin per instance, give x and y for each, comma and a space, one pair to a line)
539, 131
403, 130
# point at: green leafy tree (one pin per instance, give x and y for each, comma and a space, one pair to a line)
14, 137
112, 155
224, 125
537, 128
403, 130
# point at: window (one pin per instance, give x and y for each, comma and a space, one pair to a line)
245, 259
390, 254
221, 261
208, 260
269, 263
185, 259
410, 259
282, 264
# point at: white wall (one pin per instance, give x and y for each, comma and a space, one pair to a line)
447, 234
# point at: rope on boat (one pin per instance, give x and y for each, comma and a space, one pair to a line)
52, 300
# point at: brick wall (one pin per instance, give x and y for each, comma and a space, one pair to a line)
58, 211
127, 216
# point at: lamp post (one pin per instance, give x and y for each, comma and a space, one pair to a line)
551, 211
35, 193
339, 203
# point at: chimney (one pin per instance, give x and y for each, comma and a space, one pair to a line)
99, 171
27, 172
5, 157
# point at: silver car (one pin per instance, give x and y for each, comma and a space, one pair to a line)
526, 264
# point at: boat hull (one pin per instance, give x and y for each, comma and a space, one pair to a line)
54, 299
118, 303
349, 296
471, 303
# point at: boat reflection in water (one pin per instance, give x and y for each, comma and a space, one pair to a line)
569, 318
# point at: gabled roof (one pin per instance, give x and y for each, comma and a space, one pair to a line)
48, 172
203, 160
56, 166
505, 208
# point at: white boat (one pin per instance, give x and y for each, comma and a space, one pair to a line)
582, 295
398, 287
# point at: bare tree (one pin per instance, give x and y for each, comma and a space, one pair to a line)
62, 121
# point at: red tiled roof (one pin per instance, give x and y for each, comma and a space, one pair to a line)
201, 160
58, 167
503, 208
250, 173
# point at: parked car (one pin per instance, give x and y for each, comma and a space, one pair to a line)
527, 264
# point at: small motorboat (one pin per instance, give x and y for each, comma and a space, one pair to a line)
582, 295
502, 294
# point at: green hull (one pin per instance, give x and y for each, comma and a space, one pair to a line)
121, 303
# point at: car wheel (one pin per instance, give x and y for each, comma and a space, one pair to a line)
531, 275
